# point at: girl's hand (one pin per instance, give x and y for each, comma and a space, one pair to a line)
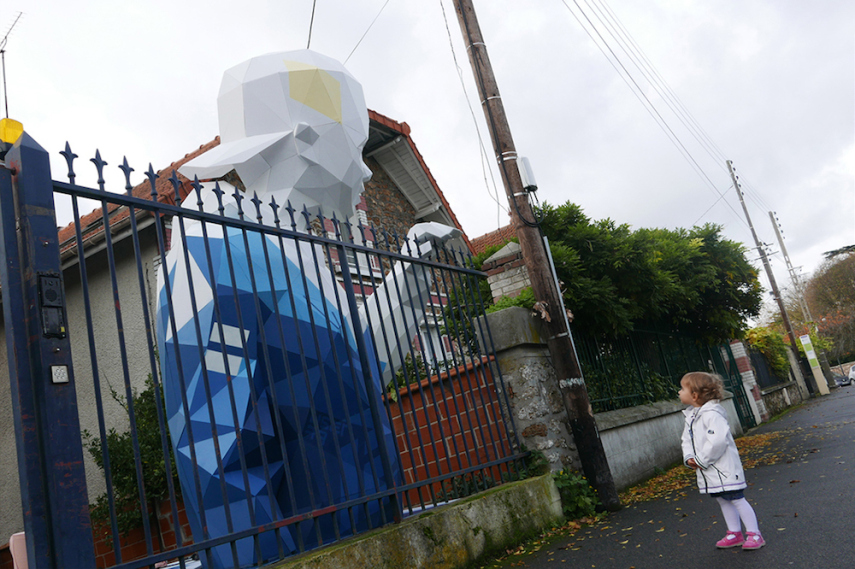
692, 464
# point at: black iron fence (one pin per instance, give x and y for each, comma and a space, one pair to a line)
766, 377
236, 380
646, 366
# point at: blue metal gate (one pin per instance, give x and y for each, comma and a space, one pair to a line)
260, 377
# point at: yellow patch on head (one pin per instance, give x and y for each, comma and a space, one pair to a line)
315, 88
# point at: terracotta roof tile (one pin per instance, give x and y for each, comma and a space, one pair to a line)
165, 194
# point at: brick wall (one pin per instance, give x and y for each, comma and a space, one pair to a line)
455, 411
749, 381
133, 545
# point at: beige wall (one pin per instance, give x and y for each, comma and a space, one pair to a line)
109, 362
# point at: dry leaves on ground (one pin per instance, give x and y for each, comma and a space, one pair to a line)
755, 450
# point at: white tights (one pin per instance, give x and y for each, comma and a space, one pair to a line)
734, 510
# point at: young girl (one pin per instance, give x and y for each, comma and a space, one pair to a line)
708, 447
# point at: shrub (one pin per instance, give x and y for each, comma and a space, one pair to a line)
123, 465
578, 499
771, 344
524, 299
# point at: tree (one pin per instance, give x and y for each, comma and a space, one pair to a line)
830, 294
616, 278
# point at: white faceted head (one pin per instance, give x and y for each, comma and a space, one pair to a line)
293, 125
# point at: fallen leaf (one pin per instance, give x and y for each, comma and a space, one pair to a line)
794, 481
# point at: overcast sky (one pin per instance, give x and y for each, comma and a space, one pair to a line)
770, 83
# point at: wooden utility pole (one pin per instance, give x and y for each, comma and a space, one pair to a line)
574, 394
772, 282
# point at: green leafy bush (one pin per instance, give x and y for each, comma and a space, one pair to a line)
123, 464
624, 384
524, 299
536, 463
578, 499
408, 373
771, 344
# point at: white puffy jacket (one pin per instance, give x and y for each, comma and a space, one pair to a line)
707, 439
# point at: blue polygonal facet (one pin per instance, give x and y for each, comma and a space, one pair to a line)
277, 385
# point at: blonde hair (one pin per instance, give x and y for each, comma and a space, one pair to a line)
707, 386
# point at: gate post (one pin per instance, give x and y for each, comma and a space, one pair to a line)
54, 499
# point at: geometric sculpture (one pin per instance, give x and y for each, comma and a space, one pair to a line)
261, 357
264, 385
292, 125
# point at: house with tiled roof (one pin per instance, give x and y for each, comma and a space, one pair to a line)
402, 192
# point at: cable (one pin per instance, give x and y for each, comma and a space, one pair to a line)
366, 31
669, 96
649, 107
654, 77
712, 206
494, 195
311, 23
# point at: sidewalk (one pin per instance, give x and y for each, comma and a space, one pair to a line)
805, 502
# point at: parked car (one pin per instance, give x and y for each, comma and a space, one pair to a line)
849, 380
841, 381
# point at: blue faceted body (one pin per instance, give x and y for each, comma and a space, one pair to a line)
264, 373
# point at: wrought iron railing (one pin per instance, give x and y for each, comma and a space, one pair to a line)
278, 388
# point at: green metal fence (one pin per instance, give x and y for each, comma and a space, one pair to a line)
646, 366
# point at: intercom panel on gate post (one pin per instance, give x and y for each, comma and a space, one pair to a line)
51, 306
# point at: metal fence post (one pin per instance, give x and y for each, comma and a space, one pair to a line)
50, 456
394, 507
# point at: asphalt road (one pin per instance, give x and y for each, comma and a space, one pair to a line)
805, 504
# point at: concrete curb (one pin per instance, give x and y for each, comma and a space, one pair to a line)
448, 537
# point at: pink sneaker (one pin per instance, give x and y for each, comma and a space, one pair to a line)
753, 541
732, 539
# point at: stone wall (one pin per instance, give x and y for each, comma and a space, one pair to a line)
529, 377
449, 537
780, 397
768, 402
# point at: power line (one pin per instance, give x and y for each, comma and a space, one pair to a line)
633, 85
645, 66
366, 31
494, 195
656, 81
